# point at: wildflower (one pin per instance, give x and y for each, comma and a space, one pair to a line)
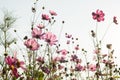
98, 15
92, 67
14, 63
74, 57
31, 44
37, 33
40, 59
50, 38
78, 67
64, 52
53, 13
45, 17
115, 20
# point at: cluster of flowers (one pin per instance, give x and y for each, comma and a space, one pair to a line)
46, 60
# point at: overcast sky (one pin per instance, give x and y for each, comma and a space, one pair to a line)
77, 17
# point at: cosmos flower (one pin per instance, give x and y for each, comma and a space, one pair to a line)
92, 67
31, 44
53, 13
14, 64
98, 15
64, 51
45, 17
37, 33
50, 38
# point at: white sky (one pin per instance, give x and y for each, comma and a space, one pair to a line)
77, 17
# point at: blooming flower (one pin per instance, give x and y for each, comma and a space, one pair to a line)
98, 15
14, 63
45, 17
92, 67
53, 13
64, 52
78, 67
37, 33
40, 59
50, 38
31, 44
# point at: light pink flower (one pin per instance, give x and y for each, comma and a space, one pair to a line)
37, 33
41, 26
92, 67
53, 13
45, 17
64, 51
56, 58
31, 44
98, 15
50, 38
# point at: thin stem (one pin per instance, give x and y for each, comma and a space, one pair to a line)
106, 32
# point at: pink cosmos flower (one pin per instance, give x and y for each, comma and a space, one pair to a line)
41, 26
53, 13
45, 17
115, 20
31, 44
40, 59
78, 67
37, 33
64, 52
98, 15
50, 38
14, 63
92, 67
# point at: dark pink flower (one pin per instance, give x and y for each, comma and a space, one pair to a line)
53, 13
115, 20
50, 38
37, 33
40, 59
14, 63
31, 44
45, 17
98, 15
78, 67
